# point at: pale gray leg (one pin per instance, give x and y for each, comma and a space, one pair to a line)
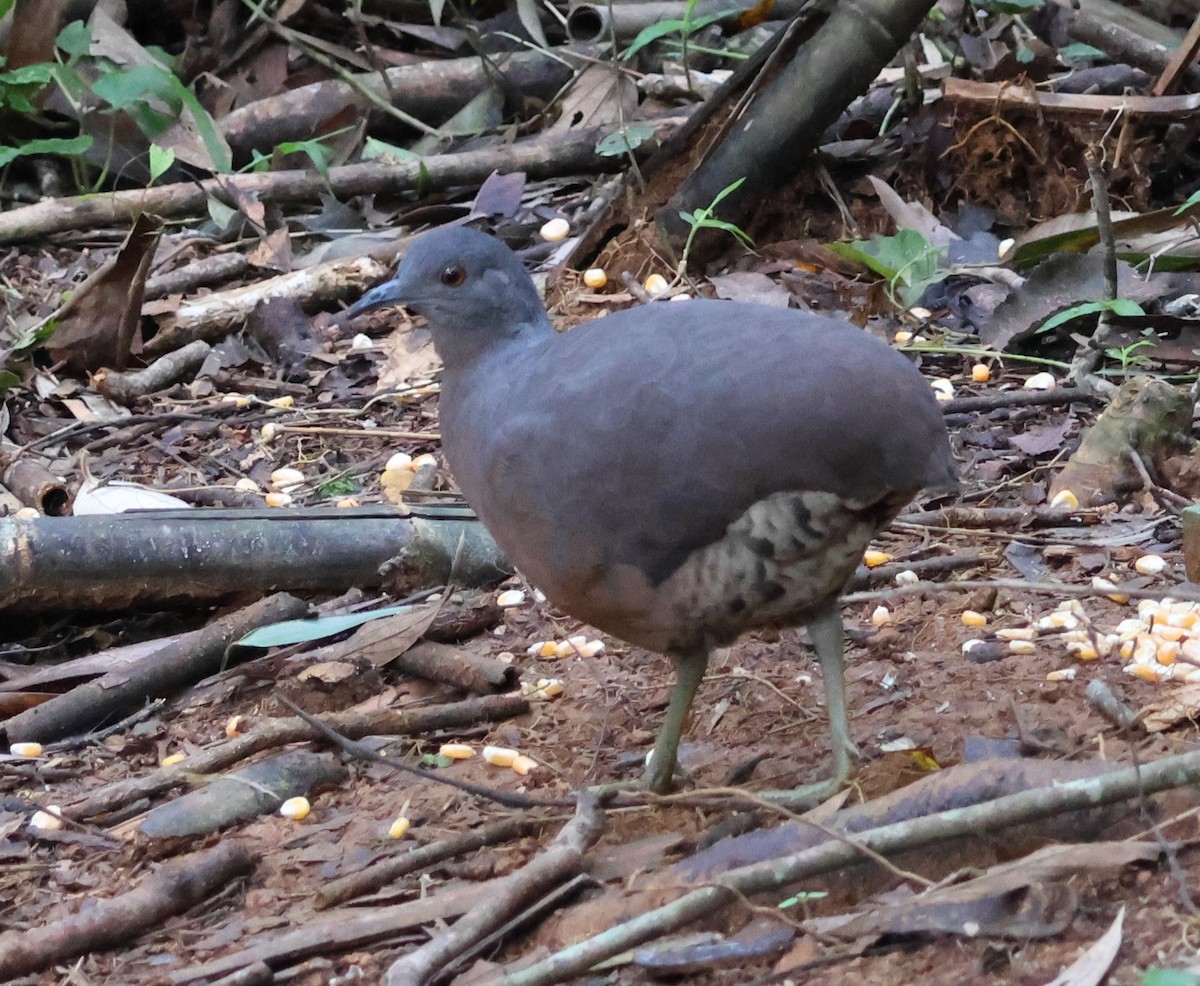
828, 638
689, 670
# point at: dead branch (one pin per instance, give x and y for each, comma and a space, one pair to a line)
186, 659
994, 815
173, 368
179, 885
562, 859
114, 561
281, 732
539, 159
371, 878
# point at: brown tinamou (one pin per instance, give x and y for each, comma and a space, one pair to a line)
674, 474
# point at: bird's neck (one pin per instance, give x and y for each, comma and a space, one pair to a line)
461, 348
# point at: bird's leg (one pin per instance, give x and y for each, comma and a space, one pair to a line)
689, 670
828, 639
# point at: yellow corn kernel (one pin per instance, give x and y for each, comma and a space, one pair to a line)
943, 389
1065, 499
1164, 631
1041, 381
881, 616
509, 598
523, 765
296, 809
592, 648
235, 727
655, 284
1062, 674
903, 337
1021, 647
399, 828
1151, 564
269, 432
1143, 671
455, 751
548, 649
981, 373
1145, 649
28, 750
595, 278
285, 479
347, 503
286, 401
172, 760
398, 460
1017, 633
873, 558
555, 230
1083, 650
1126, 649
970, 618
277, 500
1167, 653
1099, 582
499, 756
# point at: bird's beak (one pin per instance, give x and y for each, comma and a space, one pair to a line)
389, 293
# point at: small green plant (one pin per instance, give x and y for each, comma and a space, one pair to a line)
685, 27
1127, 356
706, 218
1117, 306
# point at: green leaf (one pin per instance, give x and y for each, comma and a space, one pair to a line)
122, 88
5, 7
1078, 51
1169, 977
303, 631
435, 761
1118, 306
1188, 203
804, 897
66, 146
8, 379
661, 29
161, 159
75, 39
625, 140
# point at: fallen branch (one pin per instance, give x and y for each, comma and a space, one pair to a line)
1000, 813
562, 859
281, 732
111, 922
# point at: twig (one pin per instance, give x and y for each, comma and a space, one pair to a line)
562, 859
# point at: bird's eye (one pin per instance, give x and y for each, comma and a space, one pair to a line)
454, 275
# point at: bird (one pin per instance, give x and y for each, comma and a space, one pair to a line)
678, 473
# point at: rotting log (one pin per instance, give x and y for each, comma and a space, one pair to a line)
155, 557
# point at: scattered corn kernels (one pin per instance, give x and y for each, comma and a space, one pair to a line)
346, 503
970, 618
423, 460
510, 598
903, 337
1041, 381
907, 577
455, 751
873, 558
278, 500
592, 648
523, 765
1143, 671
1021, 647
655, 284
881, 616
981, 373
595, 278
554, 230
1168, 652
295, 808
247, 485
172, 759
1083, 650
27, 750
399, 460
362, 341
499, 756
1151, 565
235, 727
286, 401
268, 432
399, 828
1062, 674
